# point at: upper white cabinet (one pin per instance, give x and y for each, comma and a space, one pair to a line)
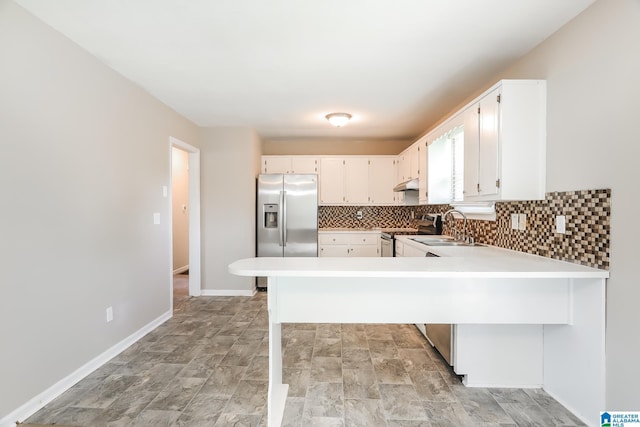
331, 181
290, 164
357, 180
382, 176
505, 142
408, 164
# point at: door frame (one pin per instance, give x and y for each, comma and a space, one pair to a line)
195, 272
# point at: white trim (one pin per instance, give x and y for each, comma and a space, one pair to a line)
228, 292
39, 401
570, 408
181, 269
195, 277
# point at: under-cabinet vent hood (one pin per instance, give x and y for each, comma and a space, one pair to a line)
412, 184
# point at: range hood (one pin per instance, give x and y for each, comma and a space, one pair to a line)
412, 184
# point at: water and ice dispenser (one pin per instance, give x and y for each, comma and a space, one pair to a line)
270, 215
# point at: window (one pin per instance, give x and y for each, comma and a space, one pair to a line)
446, 167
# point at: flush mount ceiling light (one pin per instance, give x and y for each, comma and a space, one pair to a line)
338, 119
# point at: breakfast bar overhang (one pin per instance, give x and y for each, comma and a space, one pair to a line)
566, 300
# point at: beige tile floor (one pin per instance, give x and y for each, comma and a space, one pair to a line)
207, 366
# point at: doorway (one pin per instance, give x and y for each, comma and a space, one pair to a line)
185, 221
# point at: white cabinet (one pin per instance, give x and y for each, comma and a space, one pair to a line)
356, 180
403, 250
357, 244
382, 177
290, 164
331, 181
408, 164
505, 143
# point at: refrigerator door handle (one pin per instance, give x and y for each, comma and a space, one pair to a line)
283, 203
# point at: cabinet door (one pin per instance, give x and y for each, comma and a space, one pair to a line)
414, 161
331, 181
333, 250
303, 164
364, 251
382, 177
276, 164
410, 251
488, 153
402, 167
356, 180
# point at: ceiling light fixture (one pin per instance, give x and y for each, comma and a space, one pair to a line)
338, 119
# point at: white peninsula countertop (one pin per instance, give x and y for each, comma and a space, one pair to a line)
459, 262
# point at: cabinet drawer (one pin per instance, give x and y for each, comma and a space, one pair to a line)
348, 238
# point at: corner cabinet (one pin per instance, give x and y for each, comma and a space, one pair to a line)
505, 143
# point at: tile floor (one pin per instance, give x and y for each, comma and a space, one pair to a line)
207, 366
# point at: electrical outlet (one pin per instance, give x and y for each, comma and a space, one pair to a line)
156, 218
515, 221
561, 224
109, 314
522, 221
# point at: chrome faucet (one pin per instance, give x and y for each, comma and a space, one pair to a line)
455, 230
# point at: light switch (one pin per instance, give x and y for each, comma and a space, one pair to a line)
561, 224
156, 218
522, 221
165, 191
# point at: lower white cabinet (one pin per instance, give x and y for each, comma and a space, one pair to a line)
348, 244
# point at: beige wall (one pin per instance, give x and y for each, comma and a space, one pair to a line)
85, 154
230, 159
180, 200
321, 146
592, 67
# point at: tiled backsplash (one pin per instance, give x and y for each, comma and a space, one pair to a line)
585, 242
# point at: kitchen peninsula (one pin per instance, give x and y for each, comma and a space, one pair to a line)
483, 285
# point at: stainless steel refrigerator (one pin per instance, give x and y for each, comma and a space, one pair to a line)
287, 216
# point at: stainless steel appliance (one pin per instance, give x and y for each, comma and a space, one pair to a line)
440, 335
287, 216
429, 224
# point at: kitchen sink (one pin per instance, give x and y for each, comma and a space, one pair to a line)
430, 239
451, 243
442, 241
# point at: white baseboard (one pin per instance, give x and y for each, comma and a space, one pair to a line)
581, 417
181, 269
228, 292
36, 403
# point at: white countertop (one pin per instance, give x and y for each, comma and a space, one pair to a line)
470, 262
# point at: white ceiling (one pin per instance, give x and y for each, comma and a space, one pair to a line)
280, 65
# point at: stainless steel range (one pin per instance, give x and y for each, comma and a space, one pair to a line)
429, 224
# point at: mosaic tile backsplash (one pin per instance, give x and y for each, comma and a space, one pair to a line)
585, 242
